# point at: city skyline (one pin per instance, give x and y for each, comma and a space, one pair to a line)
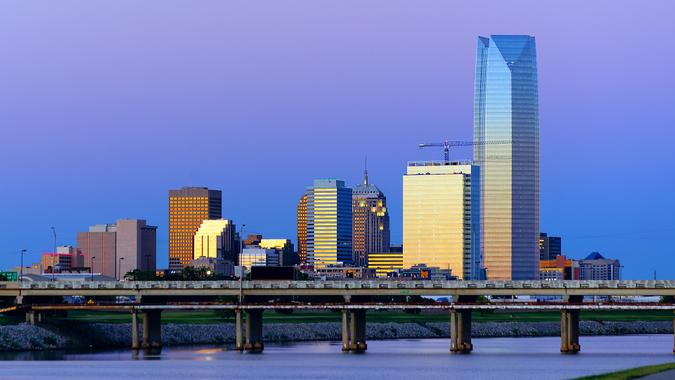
600, 114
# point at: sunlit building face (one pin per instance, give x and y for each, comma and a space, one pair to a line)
441, 217
506, 108
329, 223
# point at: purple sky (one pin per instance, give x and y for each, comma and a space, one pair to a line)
104, 106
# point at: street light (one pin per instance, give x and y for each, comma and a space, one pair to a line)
21, 268
119, 268
92, 267
55, 256
241, 267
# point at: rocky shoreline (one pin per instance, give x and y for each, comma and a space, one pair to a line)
24, 337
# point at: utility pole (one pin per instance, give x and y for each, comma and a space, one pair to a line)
92, 267
241, 267
21, 268
55, 257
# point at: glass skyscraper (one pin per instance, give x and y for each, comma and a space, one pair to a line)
506, 108
329, 223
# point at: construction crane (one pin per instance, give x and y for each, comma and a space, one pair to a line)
446, 145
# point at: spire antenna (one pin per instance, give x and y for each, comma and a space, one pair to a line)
365, 172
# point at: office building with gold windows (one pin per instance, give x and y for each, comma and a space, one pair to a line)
188, 208
329, 223
287, 256
215, 239
302, 229
385, 262
441, 217
370, 221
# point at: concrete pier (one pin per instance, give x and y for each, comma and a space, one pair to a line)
345, 330
254, 342
33, 317
569, 326
357, 331
152, 329
460, 331
239, 333
135, 344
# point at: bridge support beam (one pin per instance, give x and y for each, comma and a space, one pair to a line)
135, 344
569, 331
34, 317
345, 330
357, 331
152, 329
239, 333
254, 342
460, 331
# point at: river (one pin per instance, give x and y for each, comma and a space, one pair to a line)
492, 358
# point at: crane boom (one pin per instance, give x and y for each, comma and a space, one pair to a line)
447, 144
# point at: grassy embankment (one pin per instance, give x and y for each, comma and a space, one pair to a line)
205, 317
633, 373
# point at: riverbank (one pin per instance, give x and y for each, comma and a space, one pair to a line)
67, 335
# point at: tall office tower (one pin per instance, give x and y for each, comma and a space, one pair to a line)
136, 246
441, 217
188, 208
506, 108
370, 221
550, 247
215, 239
116, 249
302, 229
329, 223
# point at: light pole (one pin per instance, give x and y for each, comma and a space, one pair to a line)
55, 256
92, 267
119, 268
241, 267
21, 268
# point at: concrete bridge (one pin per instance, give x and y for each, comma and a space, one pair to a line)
249, 299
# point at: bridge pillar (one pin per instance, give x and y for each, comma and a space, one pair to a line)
254, 342
357, 331
460, 331
152, 329
239, 342
135, 345
33, 317
569, 331
345, 330
674, 332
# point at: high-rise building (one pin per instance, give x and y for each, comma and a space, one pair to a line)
596, 267
99, 249
136, 246
441, 214
550, 247
370, 221
215, 239
329, 223
302, 229
116, 249
506, 109
188, 208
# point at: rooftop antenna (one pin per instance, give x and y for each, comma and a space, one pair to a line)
365, 172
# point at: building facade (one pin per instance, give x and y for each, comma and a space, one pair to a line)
550, 247
385, 262
506, 109
302, 229
441, 217
370, 226
559, 268
188, 208
287, 255
596, 267
257, 256
115, 249
215, 239
329, 223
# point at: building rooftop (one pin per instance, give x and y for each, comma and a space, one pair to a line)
439, 163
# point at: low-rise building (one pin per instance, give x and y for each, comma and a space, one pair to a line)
339, 272
424, 272
287, 255
596, 267
385, 262
214, 265
561, 268
257, 256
